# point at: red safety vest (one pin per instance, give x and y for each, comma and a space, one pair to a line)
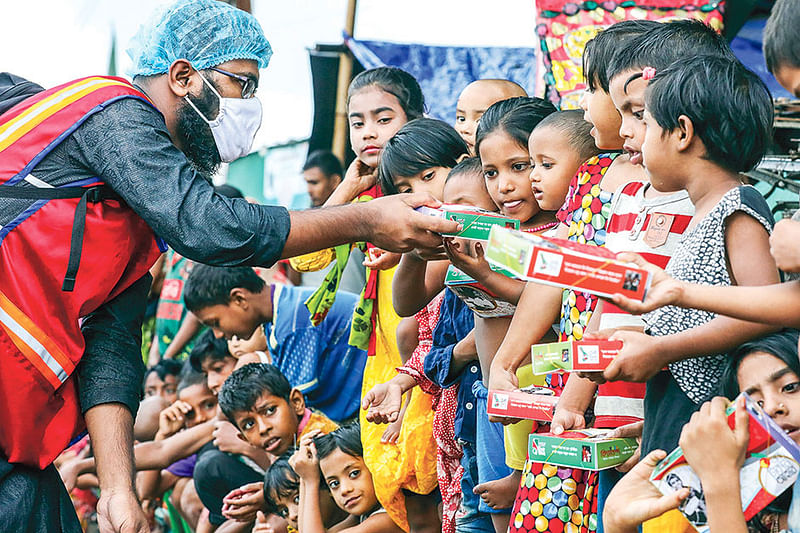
40, 312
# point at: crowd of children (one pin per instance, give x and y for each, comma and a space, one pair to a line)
270, 407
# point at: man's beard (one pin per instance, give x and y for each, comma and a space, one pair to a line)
194, 133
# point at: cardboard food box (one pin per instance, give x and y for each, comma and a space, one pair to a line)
574, 356
587, 449
476, 222
771, 465
478, 298
530, 403
564, 263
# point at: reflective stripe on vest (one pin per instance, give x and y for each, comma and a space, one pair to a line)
37, 113
42, 353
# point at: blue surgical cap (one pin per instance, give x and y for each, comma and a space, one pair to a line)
205, 32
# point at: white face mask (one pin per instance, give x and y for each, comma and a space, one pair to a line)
236, 124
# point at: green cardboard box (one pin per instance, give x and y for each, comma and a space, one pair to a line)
587, 449
477, 223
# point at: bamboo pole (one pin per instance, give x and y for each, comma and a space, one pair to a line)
340, 127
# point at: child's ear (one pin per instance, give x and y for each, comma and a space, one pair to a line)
297, 402
684, 133
238, 296
461, 158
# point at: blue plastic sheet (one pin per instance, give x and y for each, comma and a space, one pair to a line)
443, 71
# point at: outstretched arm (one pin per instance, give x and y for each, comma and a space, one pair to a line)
389, 223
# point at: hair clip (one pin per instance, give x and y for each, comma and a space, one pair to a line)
648, 73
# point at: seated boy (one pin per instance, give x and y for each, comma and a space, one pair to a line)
267, 411
228, 463
196, 404
162, 380
317, 360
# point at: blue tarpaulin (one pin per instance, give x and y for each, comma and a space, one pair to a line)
443, 71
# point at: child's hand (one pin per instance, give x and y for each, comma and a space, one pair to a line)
172, 419
502, 379
635, 499
226, 438
639, 359
566, 419
378, 259
360, 176
269, 524
631, 431
783, 245
304, 461
392, 432
243, 503
714, 450
664, 289
383, 401
472, 264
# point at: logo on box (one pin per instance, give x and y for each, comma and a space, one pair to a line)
548, 264
536, 447
500, 401
588, 355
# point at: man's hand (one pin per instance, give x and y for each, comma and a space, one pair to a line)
634, 499
664, 289
393, 224
783, 245
637, 361
120, 512
243, 503
383, 402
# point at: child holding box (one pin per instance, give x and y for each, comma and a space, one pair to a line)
768, 370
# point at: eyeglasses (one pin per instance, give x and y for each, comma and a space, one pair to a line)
248, 85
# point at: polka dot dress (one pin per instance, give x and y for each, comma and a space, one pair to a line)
585, 211
552, 498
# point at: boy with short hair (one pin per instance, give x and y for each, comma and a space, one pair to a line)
210, 356
475, 99
267, 410
316, 359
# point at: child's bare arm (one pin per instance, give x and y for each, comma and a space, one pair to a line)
412, 273
305, 463
539, 306
572, 404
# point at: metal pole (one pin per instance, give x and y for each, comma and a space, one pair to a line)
340, 127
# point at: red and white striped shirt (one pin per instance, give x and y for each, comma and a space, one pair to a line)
653, 228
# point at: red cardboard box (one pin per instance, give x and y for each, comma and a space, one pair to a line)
536, 403
563, 263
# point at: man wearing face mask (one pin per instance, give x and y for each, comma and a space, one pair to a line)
90, 173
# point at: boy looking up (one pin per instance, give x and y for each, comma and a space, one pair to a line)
268, 412
317, 360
